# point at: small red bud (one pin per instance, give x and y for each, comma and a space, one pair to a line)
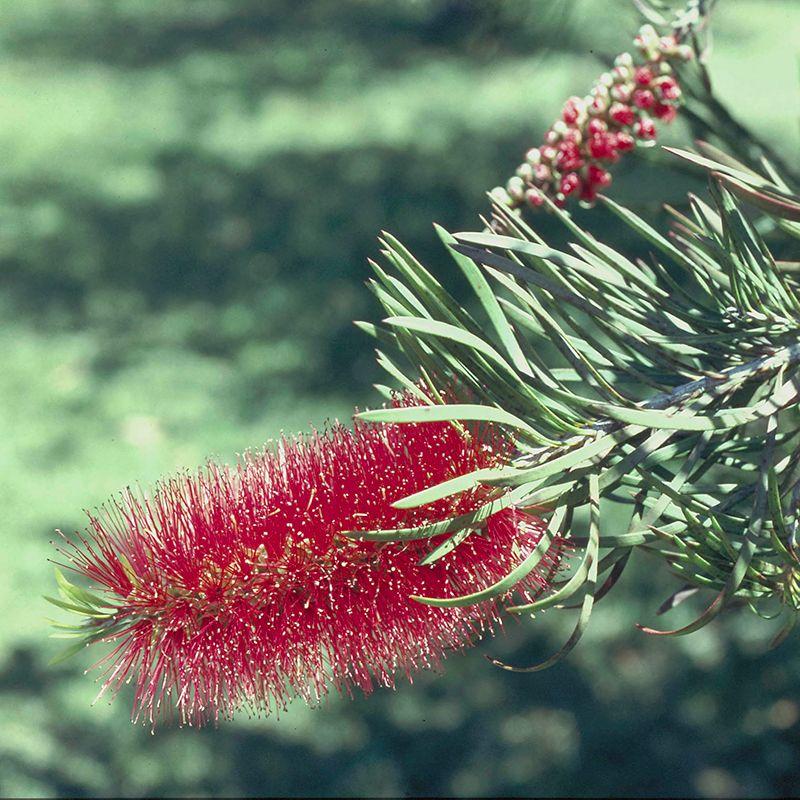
668, 88
569, 157
643, 76
570, 183
625, 142
598, 176
534, 197
622, 114
644, 98
602, 146
665, 112
597, 126
573, 110
598, 105
645, 129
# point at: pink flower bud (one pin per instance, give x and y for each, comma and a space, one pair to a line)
570, 183
621, 74
645, 129
525, 171
625, 142
601, 146
573, 110
624, 60
549, 153
533, 156
668, 88
665, 112
598, 176
644, 98
643, 76
516, 188
534, 197
569, 157
596, 126
622, 92
622, 114
598, 106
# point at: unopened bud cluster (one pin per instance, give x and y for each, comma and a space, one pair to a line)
594, 131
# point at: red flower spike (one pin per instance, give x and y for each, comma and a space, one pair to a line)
235, 587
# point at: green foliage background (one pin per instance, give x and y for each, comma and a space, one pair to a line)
188, 194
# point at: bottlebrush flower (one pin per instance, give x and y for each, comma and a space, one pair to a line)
234, 587
598, 128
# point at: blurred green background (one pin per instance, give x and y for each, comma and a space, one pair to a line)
189, 190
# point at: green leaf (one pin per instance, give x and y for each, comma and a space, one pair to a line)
446, 412
590, 584
446, 547
507, 583
446, 489
748, 176
75, 594
450, 525
489, 302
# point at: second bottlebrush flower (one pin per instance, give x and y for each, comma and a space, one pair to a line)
594, 131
